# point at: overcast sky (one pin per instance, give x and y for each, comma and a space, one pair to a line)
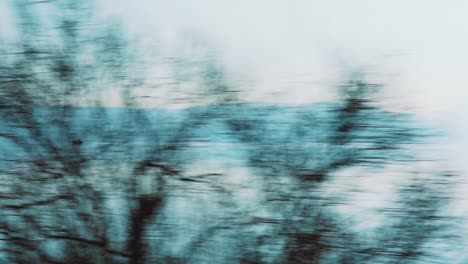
292, 50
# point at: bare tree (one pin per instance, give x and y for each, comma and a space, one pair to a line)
302, 163
64, 162
84, 183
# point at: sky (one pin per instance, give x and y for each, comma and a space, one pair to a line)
294, 51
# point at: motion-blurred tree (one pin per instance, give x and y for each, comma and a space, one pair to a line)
302, 164
111, 198
56, 194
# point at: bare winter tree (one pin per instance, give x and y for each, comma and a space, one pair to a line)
311, 167
63, 163
86, 183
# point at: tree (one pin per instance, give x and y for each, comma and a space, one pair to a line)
306, 164
134, 191
55, 205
